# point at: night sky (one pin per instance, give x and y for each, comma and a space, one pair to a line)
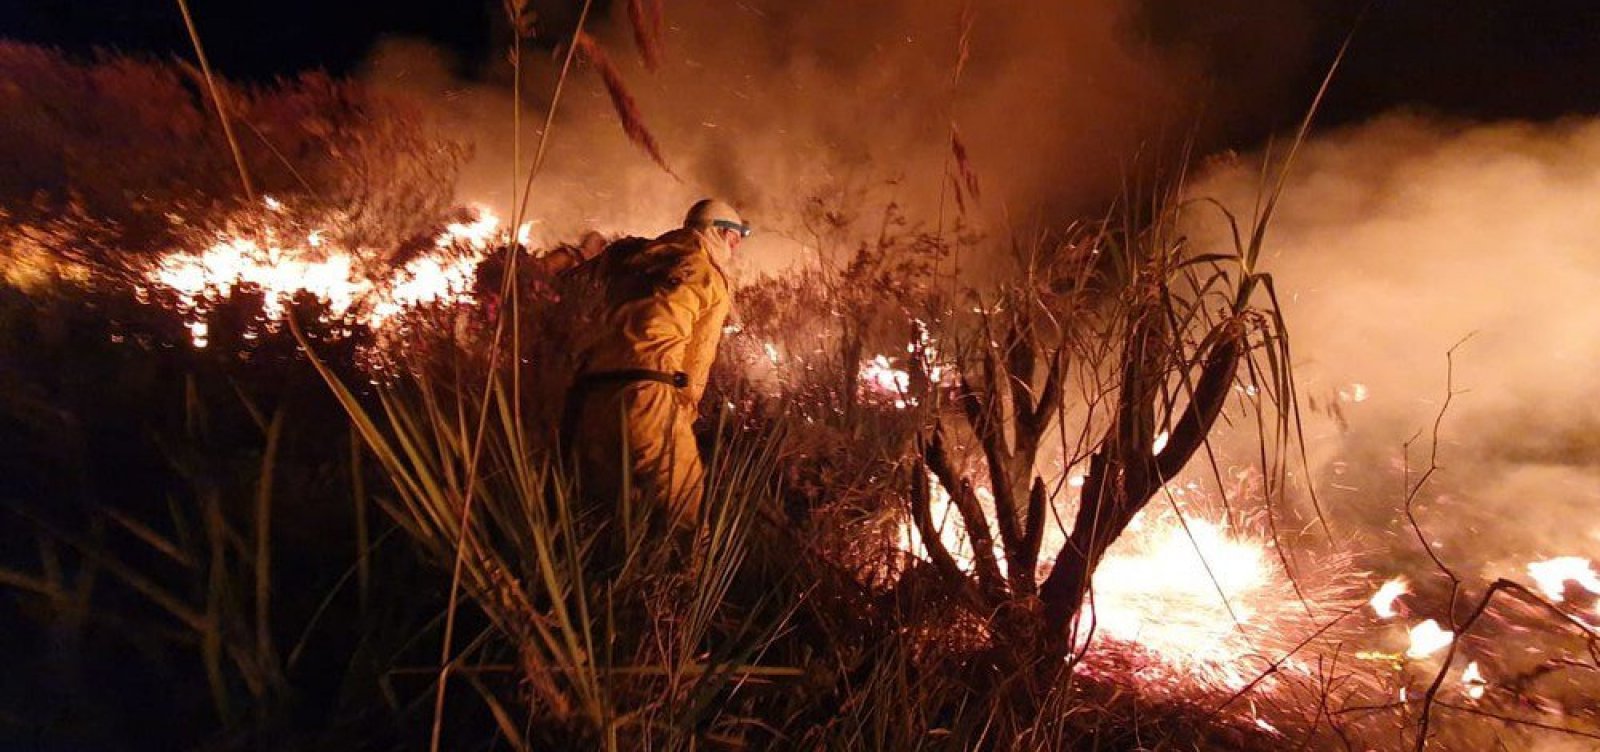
1474, 59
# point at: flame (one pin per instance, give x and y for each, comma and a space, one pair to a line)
1162, 588
478, 233
1473, 680
1167, 595
278, 272
880, 375
1382, 602
282, 271
880, 378
199, 332
1428, 638
1552, 576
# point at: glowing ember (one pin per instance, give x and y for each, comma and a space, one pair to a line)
199, 331
879, 374
1473, 680
281, 271
1383, 601
1552, 576
1428, 638
880, 377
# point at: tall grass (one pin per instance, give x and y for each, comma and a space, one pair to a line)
622, 637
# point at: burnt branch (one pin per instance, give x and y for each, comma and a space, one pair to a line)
1049, 397
966, 502
983, 413
1123, 475
922, 517
1210, 394
1033, 534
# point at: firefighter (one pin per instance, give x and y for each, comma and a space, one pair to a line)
632, 406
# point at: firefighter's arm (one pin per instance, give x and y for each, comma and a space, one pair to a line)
704, 283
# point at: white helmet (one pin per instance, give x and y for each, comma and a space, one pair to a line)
708, 213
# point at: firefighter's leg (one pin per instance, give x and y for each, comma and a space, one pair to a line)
599, 449
666, 462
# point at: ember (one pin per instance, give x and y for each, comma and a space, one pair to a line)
1383, 601
1552, 576
1428, 638
1472, 679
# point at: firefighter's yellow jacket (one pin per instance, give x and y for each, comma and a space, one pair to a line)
665, 303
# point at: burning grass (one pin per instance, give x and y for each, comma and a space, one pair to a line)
833, 606
1193, 616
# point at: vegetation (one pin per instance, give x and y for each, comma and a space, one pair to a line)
264, 544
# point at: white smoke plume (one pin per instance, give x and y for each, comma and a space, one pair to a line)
768, 102
1394, 241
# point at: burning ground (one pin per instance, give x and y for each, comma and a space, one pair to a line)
1401, 241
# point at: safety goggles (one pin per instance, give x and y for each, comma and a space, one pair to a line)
728, 224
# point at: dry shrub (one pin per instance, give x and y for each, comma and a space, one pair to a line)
123, 149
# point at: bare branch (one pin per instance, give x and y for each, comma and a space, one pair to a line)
922, 517
988, 570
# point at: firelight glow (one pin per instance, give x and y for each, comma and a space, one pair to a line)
282, 270
1472, 679
1428, 638
1382, 602
1162, 588
1552, 576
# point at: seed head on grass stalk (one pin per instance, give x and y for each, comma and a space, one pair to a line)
627, 108
644, 657
648, 26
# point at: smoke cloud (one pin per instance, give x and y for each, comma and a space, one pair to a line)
769, 103
1396, 240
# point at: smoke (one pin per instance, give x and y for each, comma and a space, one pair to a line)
770, 103
1395, 241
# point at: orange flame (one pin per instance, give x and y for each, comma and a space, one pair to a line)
282, 270
1552, 576
1428, 638
1472, 679
1187, 596
1382, 602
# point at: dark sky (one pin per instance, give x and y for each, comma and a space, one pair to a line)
1479, 59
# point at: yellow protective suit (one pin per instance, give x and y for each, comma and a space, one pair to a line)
664, 306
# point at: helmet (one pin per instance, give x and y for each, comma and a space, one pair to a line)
709, 212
